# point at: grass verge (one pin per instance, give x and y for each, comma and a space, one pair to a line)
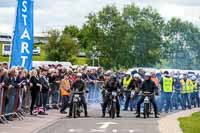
190, 124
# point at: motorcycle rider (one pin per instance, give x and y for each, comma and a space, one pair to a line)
110, 86
149, 86
79, 86
135, 86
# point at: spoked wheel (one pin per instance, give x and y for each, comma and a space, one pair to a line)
113, 110
74, 111
146, 110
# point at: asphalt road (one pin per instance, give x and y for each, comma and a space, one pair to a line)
95, 124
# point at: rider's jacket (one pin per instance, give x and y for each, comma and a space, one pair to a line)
149, 86
112, 85
78, 85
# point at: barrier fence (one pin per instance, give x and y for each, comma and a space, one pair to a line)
14, 102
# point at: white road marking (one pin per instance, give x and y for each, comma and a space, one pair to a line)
106, 124
131, 131
96, 130
71, 130
114, 131
75, 130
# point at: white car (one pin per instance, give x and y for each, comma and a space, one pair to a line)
36, 51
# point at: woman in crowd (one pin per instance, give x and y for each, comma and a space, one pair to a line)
35, 88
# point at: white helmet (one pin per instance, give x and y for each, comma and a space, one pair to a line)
128, 73
193, 77
109, 72
147, 74
136, 75
181, 76
79, 75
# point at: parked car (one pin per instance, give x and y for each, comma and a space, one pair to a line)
36, 51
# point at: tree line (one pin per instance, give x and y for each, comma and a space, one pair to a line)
129, 38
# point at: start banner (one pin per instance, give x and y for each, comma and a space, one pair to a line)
23, 39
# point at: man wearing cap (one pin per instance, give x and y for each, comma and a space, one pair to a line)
186, 90
166, 89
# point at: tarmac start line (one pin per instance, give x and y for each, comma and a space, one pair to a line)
103, 127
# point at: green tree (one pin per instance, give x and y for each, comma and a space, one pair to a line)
145, 29
61, 47
183, 44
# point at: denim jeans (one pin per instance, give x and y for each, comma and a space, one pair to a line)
186, 100
165, 100
177, 100
10, 105
44, 99
195, 99
55, 97
128, 98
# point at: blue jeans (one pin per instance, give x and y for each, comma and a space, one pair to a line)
10, 105
134, 101
195, 99
165, 100
186, 100
55, 96
44, 99
177, 100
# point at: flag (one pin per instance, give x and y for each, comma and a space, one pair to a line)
23, 39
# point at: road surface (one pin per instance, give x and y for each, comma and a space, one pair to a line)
95, 124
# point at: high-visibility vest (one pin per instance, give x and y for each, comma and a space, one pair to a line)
195, 86
187, 86
126, 82
167, 84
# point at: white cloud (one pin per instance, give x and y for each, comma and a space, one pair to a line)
58, 13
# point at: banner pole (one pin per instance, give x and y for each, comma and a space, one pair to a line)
13, 33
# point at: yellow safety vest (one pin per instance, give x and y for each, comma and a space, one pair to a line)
167, 84
126, 82
195, 86
187, 86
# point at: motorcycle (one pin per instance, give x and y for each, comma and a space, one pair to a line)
112, 106
77, 108
147, 104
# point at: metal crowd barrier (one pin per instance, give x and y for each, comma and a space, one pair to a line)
11, 105
94, 88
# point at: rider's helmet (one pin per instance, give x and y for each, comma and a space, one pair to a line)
136, 75
147, 74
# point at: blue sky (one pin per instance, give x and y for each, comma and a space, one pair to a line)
58, 13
